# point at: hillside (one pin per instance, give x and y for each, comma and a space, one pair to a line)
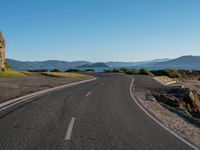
120, 64
64, 65
38, 65
93, 65
181, 61
131, 64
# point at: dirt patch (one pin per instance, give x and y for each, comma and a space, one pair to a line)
14, 87
165, 80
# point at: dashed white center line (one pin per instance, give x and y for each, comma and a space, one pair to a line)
88, 93
70, 128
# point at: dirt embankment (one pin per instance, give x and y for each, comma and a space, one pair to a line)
14, 87
165, 80
183, 94
181, 98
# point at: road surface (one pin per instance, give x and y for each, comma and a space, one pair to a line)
98, 115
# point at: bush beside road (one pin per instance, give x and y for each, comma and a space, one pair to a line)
171, 73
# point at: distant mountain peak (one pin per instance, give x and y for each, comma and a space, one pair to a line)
186, 60
40, 65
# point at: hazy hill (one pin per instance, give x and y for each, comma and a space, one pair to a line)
64, 65
93, 65
49, 64
120, 64
130, 64
182, 61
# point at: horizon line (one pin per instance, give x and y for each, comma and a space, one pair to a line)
98, 61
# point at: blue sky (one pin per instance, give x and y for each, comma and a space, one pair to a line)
100, 30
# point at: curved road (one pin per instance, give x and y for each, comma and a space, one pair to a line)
98, 115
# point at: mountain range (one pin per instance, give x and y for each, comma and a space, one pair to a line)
182, 61
64, 65
91, 65
40, 65
130, 64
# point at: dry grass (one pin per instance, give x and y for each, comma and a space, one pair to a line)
11, 74
68, 75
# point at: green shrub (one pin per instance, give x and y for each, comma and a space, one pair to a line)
89, 70
11, 74
55, 70
171, 73
73, 70
42, 70
108, 71
132, 72
125, 70
117, 70
145, 72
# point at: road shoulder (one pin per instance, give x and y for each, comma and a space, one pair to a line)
168, 118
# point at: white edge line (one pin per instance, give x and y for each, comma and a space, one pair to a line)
12, 102
88, 93
158, 122
70, 128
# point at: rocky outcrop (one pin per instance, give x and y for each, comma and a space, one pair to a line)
2, 53
191, 101
185, 98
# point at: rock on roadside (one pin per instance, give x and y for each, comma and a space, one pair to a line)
185, 98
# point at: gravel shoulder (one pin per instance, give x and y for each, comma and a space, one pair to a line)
184, 125
11, 88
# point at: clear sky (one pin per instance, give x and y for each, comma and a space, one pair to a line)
100, 30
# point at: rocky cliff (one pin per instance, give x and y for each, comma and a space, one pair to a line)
2, 53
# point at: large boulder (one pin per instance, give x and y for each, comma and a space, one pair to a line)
2, 53
191, 101
167, 99
185, 98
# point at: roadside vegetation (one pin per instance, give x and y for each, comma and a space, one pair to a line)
71, 73
89, 70
73, 70
171, 73
65, 74
10, 73
79, 70
34, 71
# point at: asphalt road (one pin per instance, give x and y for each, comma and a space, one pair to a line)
98, 115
